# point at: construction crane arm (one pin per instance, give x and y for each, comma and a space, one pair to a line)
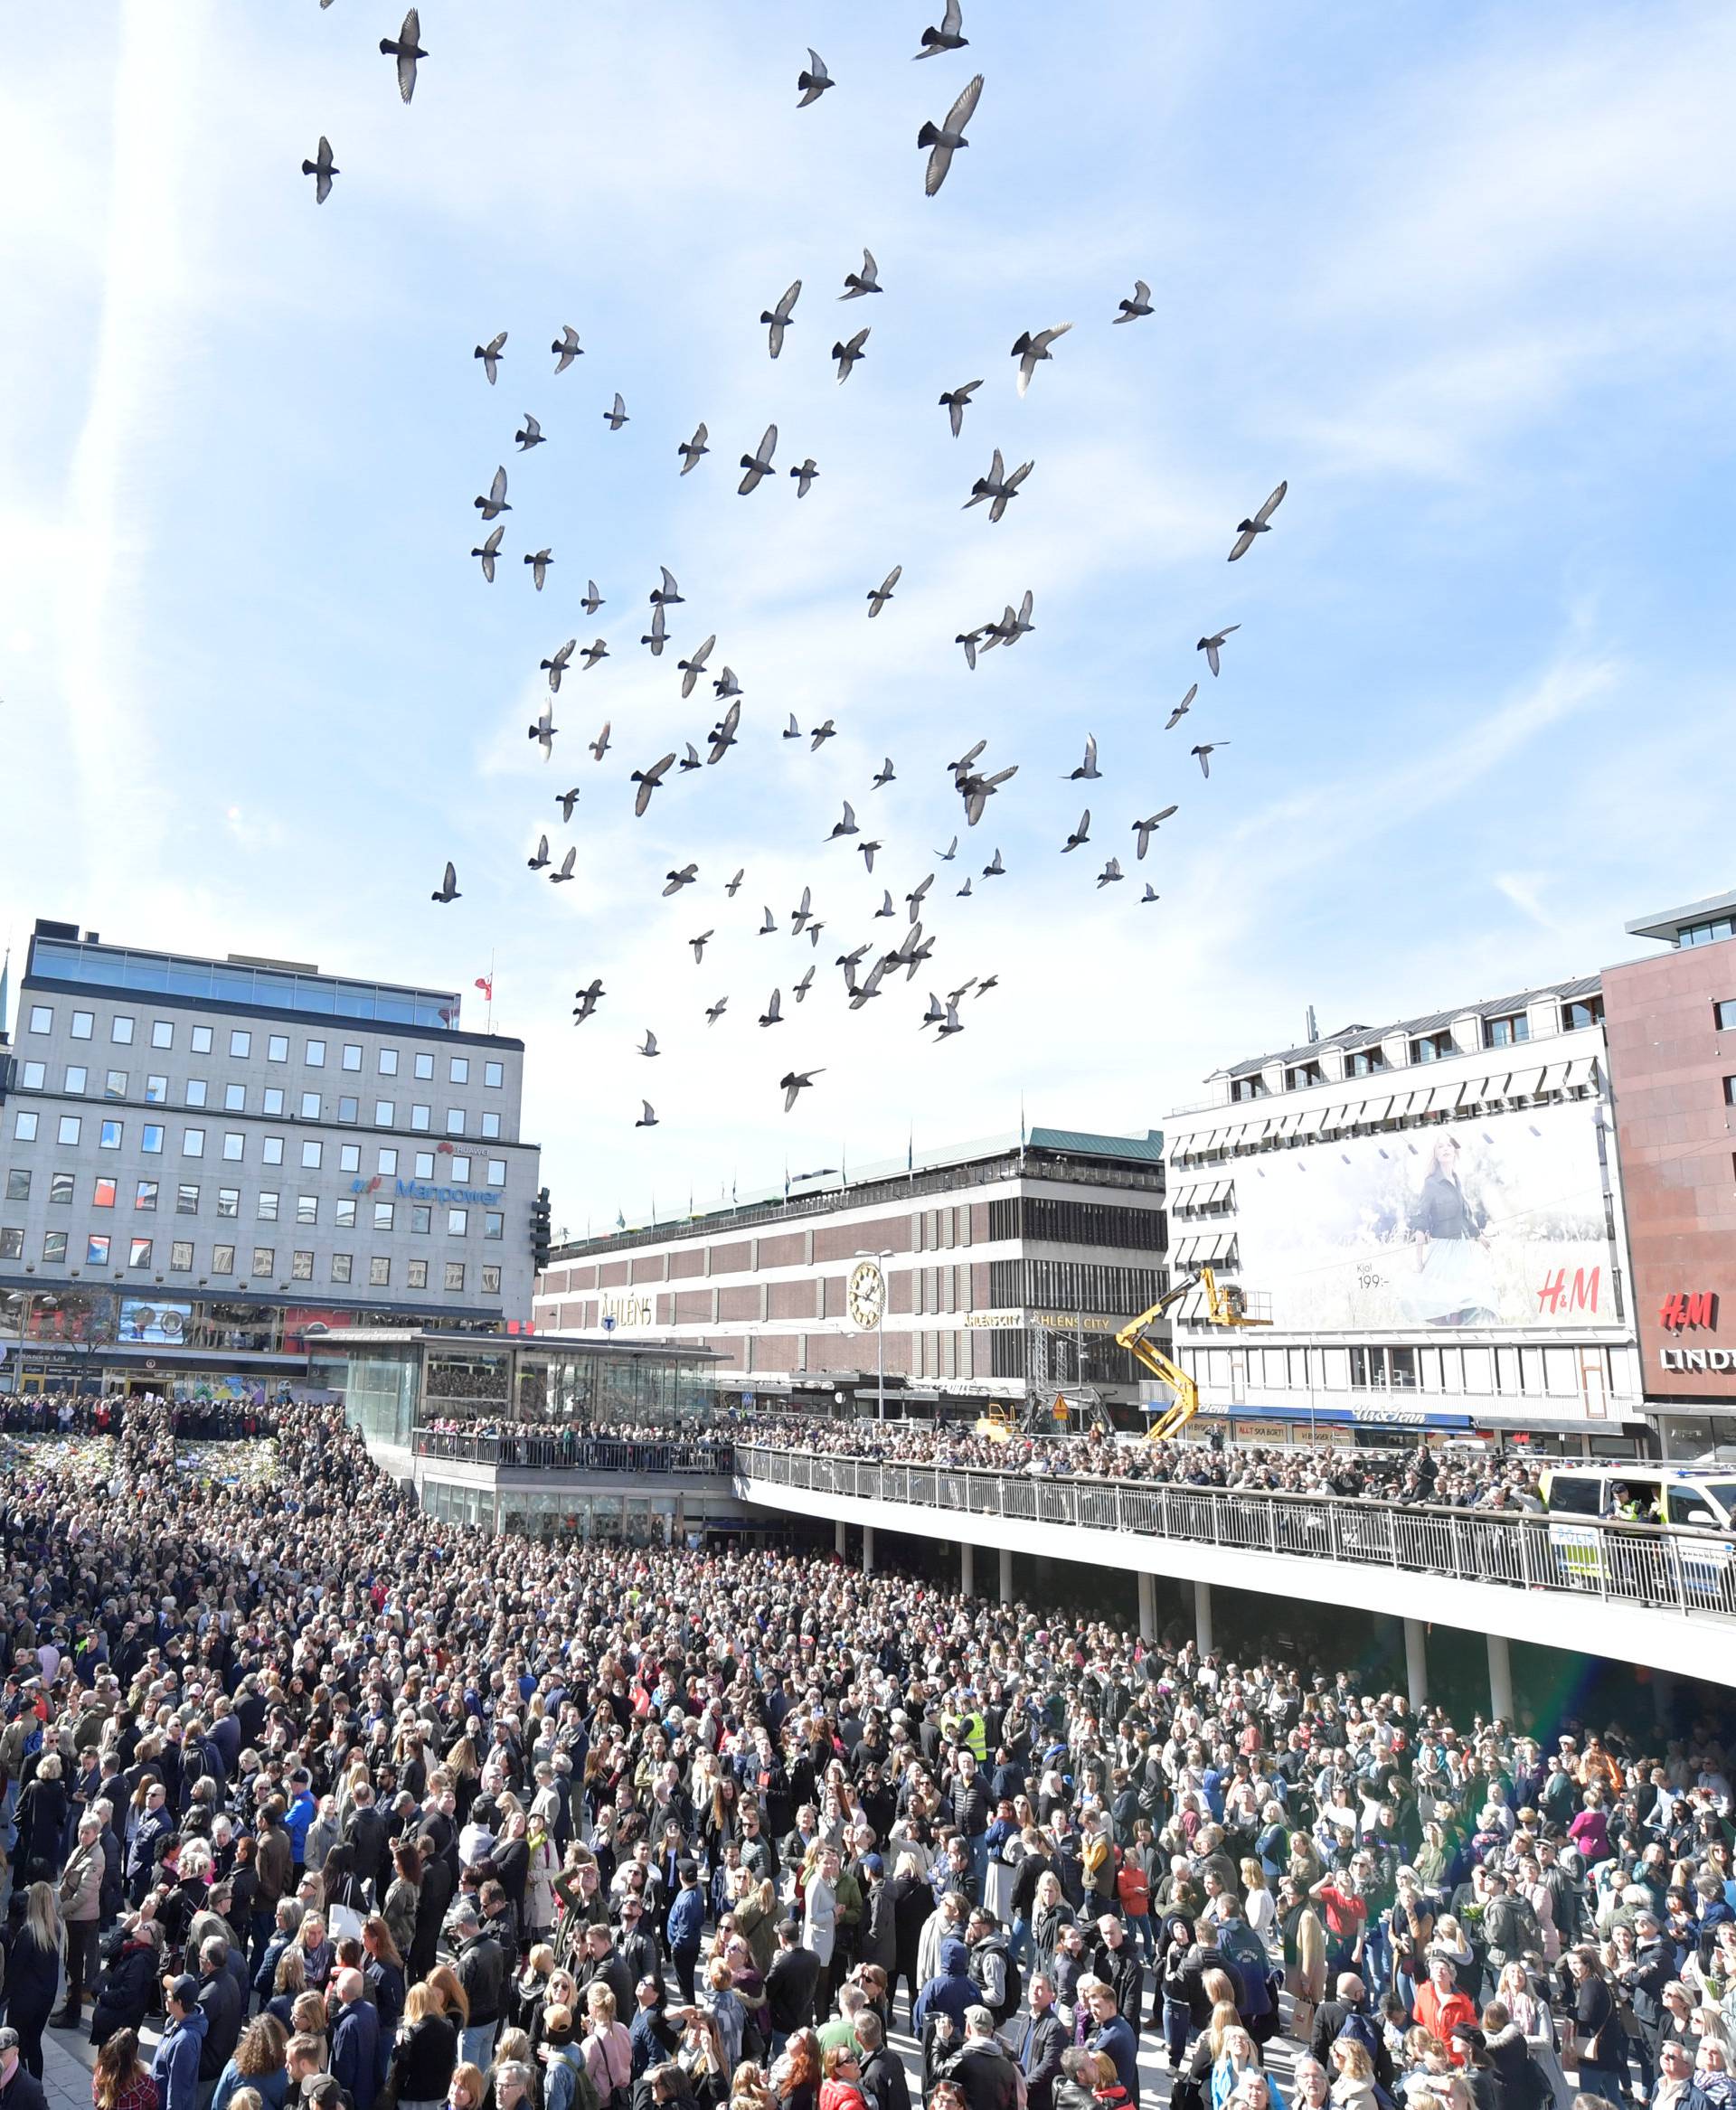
1222, 1308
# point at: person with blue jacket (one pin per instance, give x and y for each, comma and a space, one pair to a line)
297, 1817
175, 2065
687, 1927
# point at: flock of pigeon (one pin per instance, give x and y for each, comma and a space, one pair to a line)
866, 967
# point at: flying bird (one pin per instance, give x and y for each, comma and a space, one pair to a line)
554, 668
615, 416
936, 1012
944, 140
560, 878
691, 449
566, 348
566, 801
691, 669
1088, 769
951, 851
539, 563
723, 737
665, 594
1029, 350
947, 38
773, 1015
1080, 834
677, 879
794, 1082
1181, 709
814, 79
699, 945
1205, 754
543, 733
541, 857
964, 989
994, 868
586, 1001
648, 1119
655, 635
868, 851
1139, 305
726, 686
885, 908
690, 760
600, 745
1015, 624
884, 774
449, 887
489, 354
1150, 894
800, 918
647, 781
987, 983
822, 732
792, 731
880, 595
961, 767
758, 464
963, 893
714, 1012
970, 640
1146, 829
1211, 646
778, 318
976, 791
805, 477
863, 992
997, 486
950, 1025
489, 550
866, 280
648, 1046
913, 901
801, 988
954, 403
1260, 524
1110, 873
495, 504
406, 48
847, 825
734, 886
593, 600
847, 354
531, 435
323, 168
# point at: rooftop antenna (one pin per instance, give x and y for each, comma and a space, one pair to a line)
1314, 1027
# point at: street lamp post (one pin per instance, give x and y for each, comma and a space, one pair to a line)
872, 1293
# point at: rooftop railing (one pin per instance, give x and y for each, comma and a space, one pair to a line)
568, 1451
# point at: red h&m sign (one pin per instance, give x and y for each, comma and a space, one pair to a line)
1693, 1308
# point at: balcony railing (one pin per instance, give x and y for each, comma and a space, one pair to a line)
1634, 1564
570, 1451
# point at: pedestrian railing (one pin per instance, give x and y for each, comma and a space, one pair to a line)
1634, 1564
555, 1449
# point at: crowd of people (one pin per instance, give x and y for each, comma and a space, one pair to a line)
63, 1413
312, 1796
614, 1446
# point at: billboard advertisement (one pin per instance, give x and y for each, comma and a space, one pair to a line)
1488, 1223
152, 1319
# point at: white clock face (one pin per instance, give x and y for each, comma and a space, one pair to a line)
867, 1296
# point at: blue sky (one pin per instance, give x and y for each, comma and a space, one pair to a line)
1464, 277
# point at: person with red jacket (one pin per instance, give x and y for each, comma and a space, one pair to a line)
1441, 2008
842, 2087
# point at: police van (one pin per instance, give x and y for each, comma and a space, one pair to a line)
1693, 1503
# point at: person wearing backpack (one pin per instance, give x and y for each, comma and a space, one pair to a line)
566, 2083
1116, 1961
996, 1975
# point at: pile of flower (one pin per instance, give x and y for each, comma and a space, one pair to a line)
250, 1462
86, 1461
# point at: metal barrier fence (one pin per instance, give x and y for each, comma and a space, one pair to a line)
1637, 1564
567, 1451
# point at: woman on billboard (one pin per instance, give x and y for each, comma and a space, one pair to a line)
1458, 1285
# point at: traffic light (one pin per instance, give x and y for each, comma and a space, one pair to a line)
540, 1234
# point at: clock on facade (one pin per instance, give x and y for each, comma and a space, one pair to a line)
867, 1296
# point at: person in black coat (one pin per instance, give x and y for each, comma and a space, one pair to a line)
127, 1991
34, 1969
41, 1820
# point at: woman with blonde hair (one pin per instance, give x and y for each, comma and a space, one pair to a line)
609, 2047
33, 1971
425, 2053
1258, 1907
288, 1982
442, 1980
1353, 2072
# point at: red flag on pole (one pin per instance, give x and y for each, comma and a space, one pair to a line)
485, 983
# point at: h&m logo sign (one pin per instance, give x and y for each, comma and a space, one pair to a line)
1694, 1309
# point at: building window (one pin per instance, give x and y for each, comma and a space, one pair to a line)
378, 1272
1729, 1091
311, 1153
383, 1112
491, 1126
1724, 1015
1364, 1063
33, 1077
111, 1134
272, 1150
1705, 933
1506, 1033
493, 1224
61, 1189
157, 1091
491, 1281
1299, 1076
222, 1259
494, 1075
457, 1222
1584, 1010
145, 1194
267, 1207
345, 1217
162, 1032
277, 1048
196, 1091
352, 1056
455, 1275
422, 1219
301, 1266
103, 1194
77, 1078
383, 1215
240, 1044
96, 1249
139, 1253
17, 1184
120, 1031
201, 1042
386, 1059
424, 1067
265, 1260
454, 1120
23, 1127
114, 1084
234, 1147
42, 1018
150, 1139
417, 1276
273, 1106
315, 1055
1431, 1046
349, 1157
12, 1244
424, 1162
84, 1025
55, 1247
497, 1171
181, 1257
421, 1118
306, 1208
193, 1142
460, 1171
458, 1070
310, 1106
342, 1264
234, 1099
70, 1128
186, 1200
387, 1162
228, 1202
349, 1111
